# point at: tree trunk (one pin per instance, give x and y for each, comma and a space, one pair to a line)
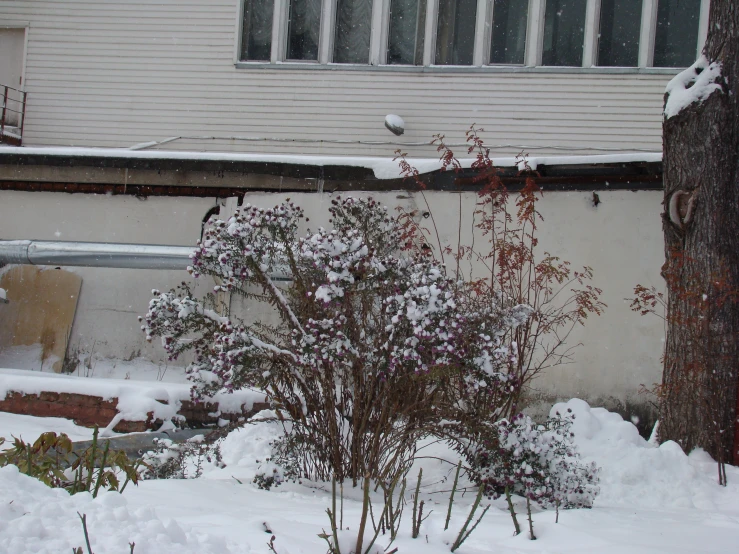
701, 175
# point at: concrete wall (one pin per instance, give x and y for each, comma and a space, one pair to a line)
114, 74
110, 299
621, 239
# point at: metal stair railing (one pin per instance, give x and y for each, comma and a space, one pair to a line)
10, 106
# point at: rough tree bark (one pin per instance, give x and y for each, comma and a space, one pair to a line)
701, 174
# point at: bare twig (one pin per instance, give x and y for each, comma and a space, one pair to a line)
531, 521
83, 519
463, 533
512, 510
416, 519
365, 509
451, 496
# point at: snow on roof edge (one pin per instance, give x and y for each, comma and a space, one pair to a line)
383, 168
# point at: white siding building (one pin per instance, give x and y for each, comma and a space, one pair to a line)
114, 74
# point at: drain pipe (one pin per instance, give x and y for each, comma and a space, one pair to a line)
104, 254
95, 254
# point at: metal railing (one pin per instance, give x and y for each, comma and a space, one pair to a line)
13, 109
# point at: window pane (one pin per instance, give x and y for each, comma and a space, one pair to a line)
256, 39
620, 24
303, 29
509, 31
676, 42
564, 32
407, 29
353, 25
455, 35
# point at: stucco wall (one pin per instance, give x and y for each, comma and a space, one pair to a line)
621, 239
110, 299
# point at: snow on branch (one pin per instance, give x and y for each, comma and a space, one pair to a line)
695, 84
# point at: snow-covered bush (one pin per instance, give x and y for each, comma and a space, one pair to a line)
375, 347
574, 482
538, 462
185, 460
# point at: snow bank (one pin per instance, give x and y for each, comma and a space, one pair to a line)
94, 365
639, 474
247, 451
634, 472
695, 84
654, 500
36, 519
26, 356
29, 428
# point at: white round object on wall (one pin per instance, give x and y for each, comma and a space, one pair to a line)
395, 124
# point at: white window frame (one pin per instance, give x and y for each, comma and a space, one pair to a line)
482, 39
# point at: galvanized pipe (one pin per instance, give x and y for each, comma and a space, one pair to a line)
104, 254
95, 254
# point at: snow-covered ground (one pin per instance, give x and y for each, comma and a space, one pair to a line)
653, 500
91, 365
29, 428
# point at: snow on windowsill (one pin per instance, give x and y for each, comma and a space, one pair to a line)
383, 168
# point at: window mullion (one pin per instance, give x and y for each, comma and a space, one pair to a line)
647, 33
482, 31
328, 29
429, 42
378, 46
535, 32
279, 30
703, 26
592, 25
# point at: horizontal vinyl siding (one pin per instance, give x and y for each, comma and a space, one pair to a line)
113, 74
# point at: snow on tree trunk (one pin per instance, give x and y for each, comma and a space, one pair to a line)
701, 227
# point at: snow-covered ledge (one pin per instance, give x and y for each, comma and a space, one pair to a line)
117, 404
382, 168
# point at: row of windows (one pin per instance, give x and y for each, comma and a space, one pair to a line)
623, 33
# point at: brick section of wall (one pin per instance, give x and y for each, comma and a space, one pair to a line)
89, 411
